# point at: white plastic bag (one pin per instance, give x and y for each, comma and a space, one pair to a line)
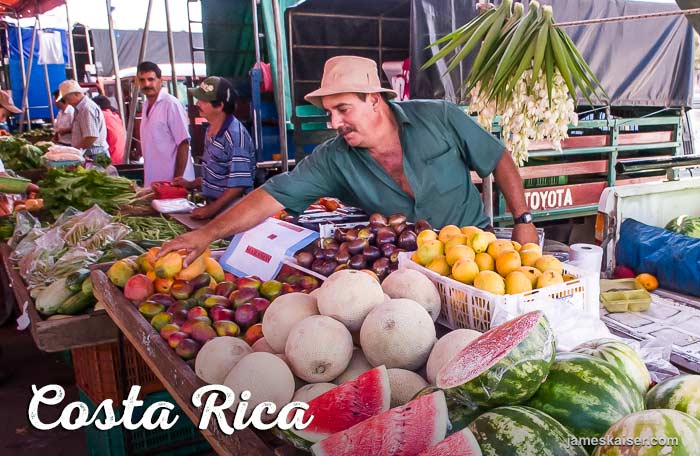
173, 206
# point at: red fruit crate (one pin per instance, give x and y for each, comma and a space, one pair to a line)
100, 370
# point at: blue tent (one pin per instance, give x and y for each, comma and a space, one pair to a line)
37, 84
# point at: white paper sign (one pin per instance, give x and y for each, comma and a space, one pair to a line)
261, 250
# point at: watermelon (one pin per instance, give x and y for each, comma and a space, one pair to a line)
586, 394
621, 355
675, 223
343, 407
520, 430
461, 443
401, 431
691, 227
505, 365
655, 431
679, 393
459, 414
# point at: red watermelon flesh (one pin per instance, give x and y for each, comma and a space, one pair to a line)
401, 431
462, 443
346, 405
486, 350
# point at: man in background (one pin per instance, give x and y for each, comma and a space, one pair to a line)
89, 129
116, 134
165, 138
7, 110
63, 124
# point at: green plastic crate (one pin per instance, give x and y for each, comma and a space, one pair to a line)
183, 439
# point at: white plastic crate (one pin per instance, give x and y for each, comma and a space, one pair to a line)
464, 306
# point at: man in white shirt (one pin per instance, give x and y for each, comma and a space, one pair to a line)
63, 124
165, 138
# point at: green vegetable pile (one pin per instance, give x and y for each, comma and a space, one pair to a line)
83, 188
151, 228
19, 155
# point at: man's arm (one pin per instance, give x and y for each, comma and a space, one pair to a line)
509, 181
87, 141
221, 202
244, 215
181, 158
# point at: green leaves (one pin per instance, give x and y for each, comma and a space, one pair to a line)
511, 44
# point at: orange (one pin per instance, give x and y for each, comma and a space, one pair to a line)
648, 281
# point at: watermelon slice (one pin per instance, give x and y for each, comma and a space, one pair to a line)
462, 443
505, 365
343, 407
401, 431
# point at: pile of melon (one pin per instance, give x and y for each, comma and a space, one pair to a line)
475, 257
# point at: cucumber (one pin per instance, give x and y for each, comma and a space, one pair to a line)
125, 248
74, 281
87, 286
51, 298
75, 304
148, 243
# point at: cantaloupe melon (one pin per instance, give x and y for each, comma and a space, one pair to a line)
218, 356
319, 349
446, 348
312, 391
348, 296
267, 378
404, 385
411, 284
358, 365
399, 333
284, 312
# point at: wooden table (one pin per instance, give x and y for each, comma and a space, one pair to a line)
188, 221
62, 334
178, 378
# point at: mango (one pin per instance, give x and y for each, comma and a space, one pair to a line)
162, 285
457, 252
188, 349
549, 277
150, 309
120, 272
138, 288
169, 266
159, 321
530, 257
499, 246
226, 328
448, 232
485, 262
425, 236
271, 289
465, 270
197, 267
490, 281
201, 281
549, 263
430, 250
145, 263
168, 330
214, 269
517, 282
532, 273
181, 289
202, 332
507, 261
439, 265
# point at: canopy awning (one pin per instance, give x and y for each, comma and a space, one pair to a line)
28, 8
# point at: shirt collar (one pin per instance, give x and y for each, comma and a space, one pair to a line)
399, 113
227, 123
82, 103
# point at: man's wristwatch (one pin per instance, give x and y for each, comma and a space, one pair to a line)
525, 217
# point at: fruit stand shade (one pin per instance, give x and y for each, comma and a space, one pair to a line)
26, 8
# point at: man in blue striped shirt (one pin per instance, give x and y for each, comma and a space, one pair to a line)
228, 162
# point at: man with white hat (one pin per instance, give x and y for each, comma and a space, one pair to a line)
7, 109
412, 157
89, 129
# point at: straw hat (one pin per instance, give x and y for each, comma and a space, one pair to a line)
7, 103
69, 86
348, 74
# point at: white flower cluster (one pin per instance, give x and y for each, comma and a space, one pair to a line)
528, 116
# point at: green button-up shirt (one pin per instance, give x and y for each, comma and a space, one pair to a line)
440, 145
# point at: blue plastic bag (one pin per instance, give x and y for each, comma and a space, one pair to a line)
673, 258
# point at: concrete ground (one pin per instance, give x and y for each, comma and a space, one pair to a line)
26, 365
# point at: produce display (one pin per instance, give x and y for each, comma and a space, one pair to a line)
684, 224
374, 246
680, 393
18, 154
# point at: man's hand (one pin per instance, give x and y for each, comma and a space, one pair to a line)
204, 212
195, 241
524, 233
5, 133
189, 185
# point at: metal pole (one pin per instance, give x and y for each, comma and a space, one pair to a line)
20, 47
25, 97
71, 46
171, 50
46, 75
281, 107
115, 61
135, 87
257, 121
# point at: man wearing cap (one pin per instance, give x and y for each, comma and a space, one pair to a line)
89, 131
165, 138
412, 157
7, 110
228, 162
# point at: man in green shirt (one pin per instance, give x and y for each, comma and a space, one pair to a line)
412, 157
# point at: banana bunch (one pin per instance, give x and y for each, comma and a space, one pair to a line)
511, 43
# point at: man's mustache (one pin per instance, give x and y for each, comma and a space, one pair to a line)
345, 130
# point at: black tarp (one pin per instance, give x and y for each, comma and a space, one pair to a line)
646, 62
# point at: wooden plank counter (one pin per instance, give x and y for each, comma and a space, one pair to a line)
178, 378
54, 335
